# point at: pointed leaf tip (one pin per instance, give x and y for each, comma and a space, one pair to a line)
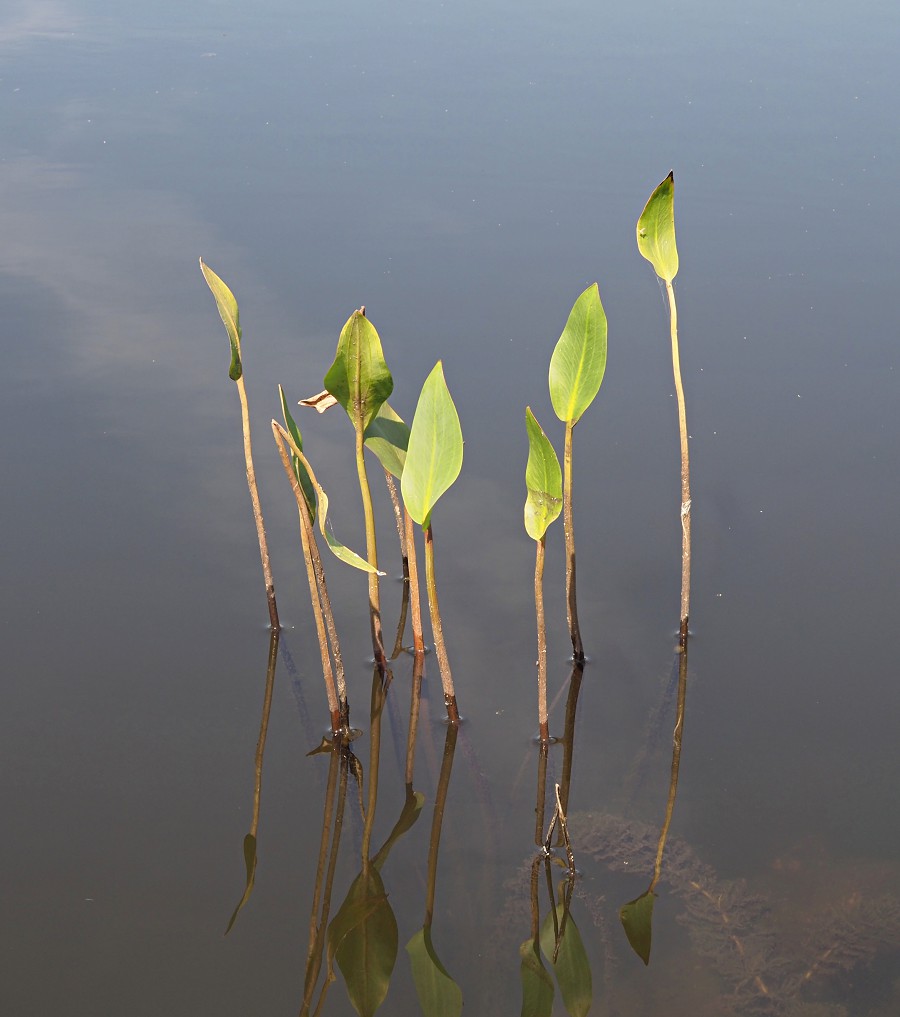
579, 357
656, 230
228, 311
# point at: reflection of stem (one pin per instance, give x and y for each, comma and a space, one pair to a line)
379, 693
543, 720
438, 630
440, 801
415, 602
257, 508
415, 699
263, 729
316, 579
685, 470
318, 926
676, 763
569, 733
401, 533
371, 554
571, 605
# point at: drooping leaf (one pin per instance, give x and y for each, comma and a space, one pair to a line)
637, 920
439, 995
543, 480
231, 319
656, 230
579, 358
388, 437
362, 938
306, 484
250, 865
537, 985
435, 454
412, 809
359, 377
572, 967
337, 548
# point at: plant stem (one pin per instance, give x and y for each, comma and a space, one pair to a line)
316, 578
257, 508
543, 720
401, 533
415, 602
379, 695
371, 554
438, 630
571, 603
415, 699
685, 471
440, 803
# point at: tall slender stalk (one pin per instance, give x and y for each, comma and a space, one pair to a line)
543, 719
437, 629
685, 471
371, 555
571, 598
414, 601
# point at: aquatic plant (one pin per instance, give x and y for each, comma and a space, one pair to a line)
577, 367
228, 311
656, 242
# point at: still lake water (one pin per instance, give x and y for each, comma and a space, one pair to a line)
464, 170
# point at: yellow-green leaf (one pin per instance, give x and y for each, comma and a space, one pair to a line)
637, 920
543, 480
303, 478
656, 230
579, 358
231, 319
359, 377
388, 437
439, 995
537, 985
572, 967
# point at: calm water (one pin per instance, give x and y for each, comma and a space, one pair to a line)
464, 170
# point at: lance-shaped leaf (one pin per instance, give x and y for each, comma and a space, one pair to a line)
656, 230
250, 864
231, 318
337, 548
306, 485
435, 454
537, 985
572, 967
388, 437
637, 920
362, 938
359, 377
543, 480
439, 995
579, 358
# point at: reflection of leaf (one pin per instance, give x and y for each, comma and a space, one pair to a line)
435, 453
412, 809
579, 357
439, 995
537, 985
637, 920
250, 863
388, 437
543, 480
656, 230
359, 378
572, 968
362, 938
231, 319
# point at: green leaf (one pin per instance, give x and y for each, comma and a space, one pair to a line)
579, 359
537, 985
306, 484
435, 454
337, 548
362, 937
250, 864
439, 995
388, 437
572, 967
412, 809
637, 920
359, 378
231, 319
656, 230
543, 480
